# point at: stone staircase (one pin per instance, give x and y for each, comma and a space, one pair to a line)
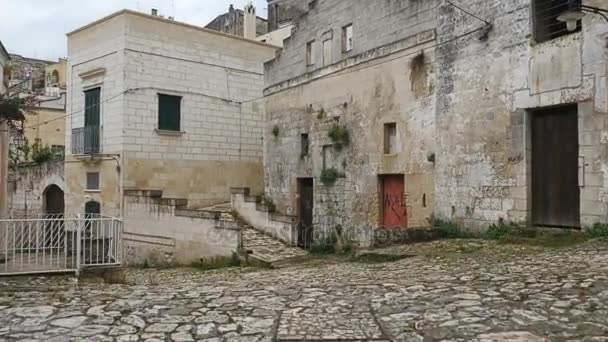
258, 245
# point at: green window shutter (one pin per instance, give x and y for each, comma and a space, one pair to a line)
169, 112
91, 107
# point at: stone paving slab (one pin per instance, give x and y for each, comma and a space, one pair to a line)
496, 293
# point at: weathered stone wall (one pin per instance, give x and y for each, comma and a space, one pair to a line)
282, 11
485, 87
468, 110
27, 186
375, 23
391, 83
158, 233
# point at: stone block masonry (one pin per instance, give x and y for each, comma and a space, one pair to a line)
163, 232
134, 58
446, 102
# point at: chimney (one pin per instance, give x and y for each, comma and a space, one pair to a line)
154, 12
250, 21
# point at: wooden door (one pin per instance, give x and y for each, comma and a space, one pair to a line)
305, 212
394, 207
555, 188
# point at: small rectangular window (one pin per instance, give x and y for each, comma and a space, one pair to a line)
169, 112
347, 38
310, 53
304, 145
390, 138
327, 60
545, 23
92, 180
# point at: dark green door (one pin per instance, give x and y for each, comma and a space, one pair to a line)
91, 120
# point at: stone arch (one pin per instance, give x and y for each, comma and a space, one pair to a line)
54, 201
55, 77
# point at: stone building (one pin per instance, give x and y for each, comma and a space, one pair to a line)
167, 117
47, 123
234, 22
386, 114
284, 12
28, 74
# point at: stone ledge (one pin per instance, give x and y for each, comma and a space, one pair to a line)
283, 218
203, 214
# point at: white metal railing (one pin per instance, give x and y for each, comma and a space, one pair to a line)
59, 244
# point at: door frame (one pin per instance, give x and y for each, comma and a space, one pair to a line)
381, 178
300, 220
529, 152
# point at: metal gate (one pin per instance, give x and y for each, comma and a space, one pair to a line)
54, 243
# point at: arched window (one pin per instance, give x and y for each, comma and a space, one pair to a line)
92, 209
55, 78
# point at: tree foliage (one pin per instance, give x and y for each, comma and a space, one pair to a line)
14, 108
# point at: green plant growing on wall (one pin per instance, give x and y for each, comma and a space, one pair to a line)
269, 203
339, 135
321, 114
275, 131
330, 176
42, 153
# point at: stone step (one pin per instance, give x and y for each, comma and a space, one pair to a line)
260, 247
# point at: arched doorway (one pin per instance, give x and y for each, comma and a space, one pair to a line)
53, 200
92, 208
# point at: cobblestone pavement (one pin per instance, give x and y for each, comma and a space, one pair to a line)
450, 291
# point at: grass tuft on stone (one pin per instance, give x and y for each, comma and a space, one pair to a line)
450, 230
207, 264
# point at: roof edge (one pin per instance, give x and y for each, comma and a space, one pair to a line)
148, 16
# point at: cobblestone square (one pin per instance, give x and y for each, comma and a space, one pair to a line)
446, 291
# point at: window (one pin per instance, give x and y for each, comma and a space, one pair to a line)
390, 138
545, 23
304, 145
169, 112
310, 53
92, 107
327, 52
347, 38
92, 180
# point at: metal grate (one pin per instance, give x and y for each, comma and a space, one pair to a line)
545, 23
54, 243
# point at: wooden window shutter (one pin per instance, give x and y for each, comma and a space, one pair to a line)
169, 112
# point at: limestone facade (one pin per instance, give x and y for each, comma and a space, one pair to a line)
459, 93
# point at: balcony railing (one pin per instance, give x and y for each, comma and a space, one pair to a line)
85, 140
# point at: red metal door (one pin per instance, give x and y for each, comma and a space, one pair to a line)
394, 207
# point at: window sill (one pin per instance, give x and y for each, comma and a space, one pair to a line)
169, 133
92, 191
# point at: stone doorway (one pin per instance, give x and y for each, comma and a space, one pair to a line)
54, 200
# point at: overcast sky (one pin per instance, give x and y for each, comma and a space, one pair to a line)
37, 28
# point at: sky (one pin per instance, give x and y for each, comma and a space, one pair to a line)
37, 28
